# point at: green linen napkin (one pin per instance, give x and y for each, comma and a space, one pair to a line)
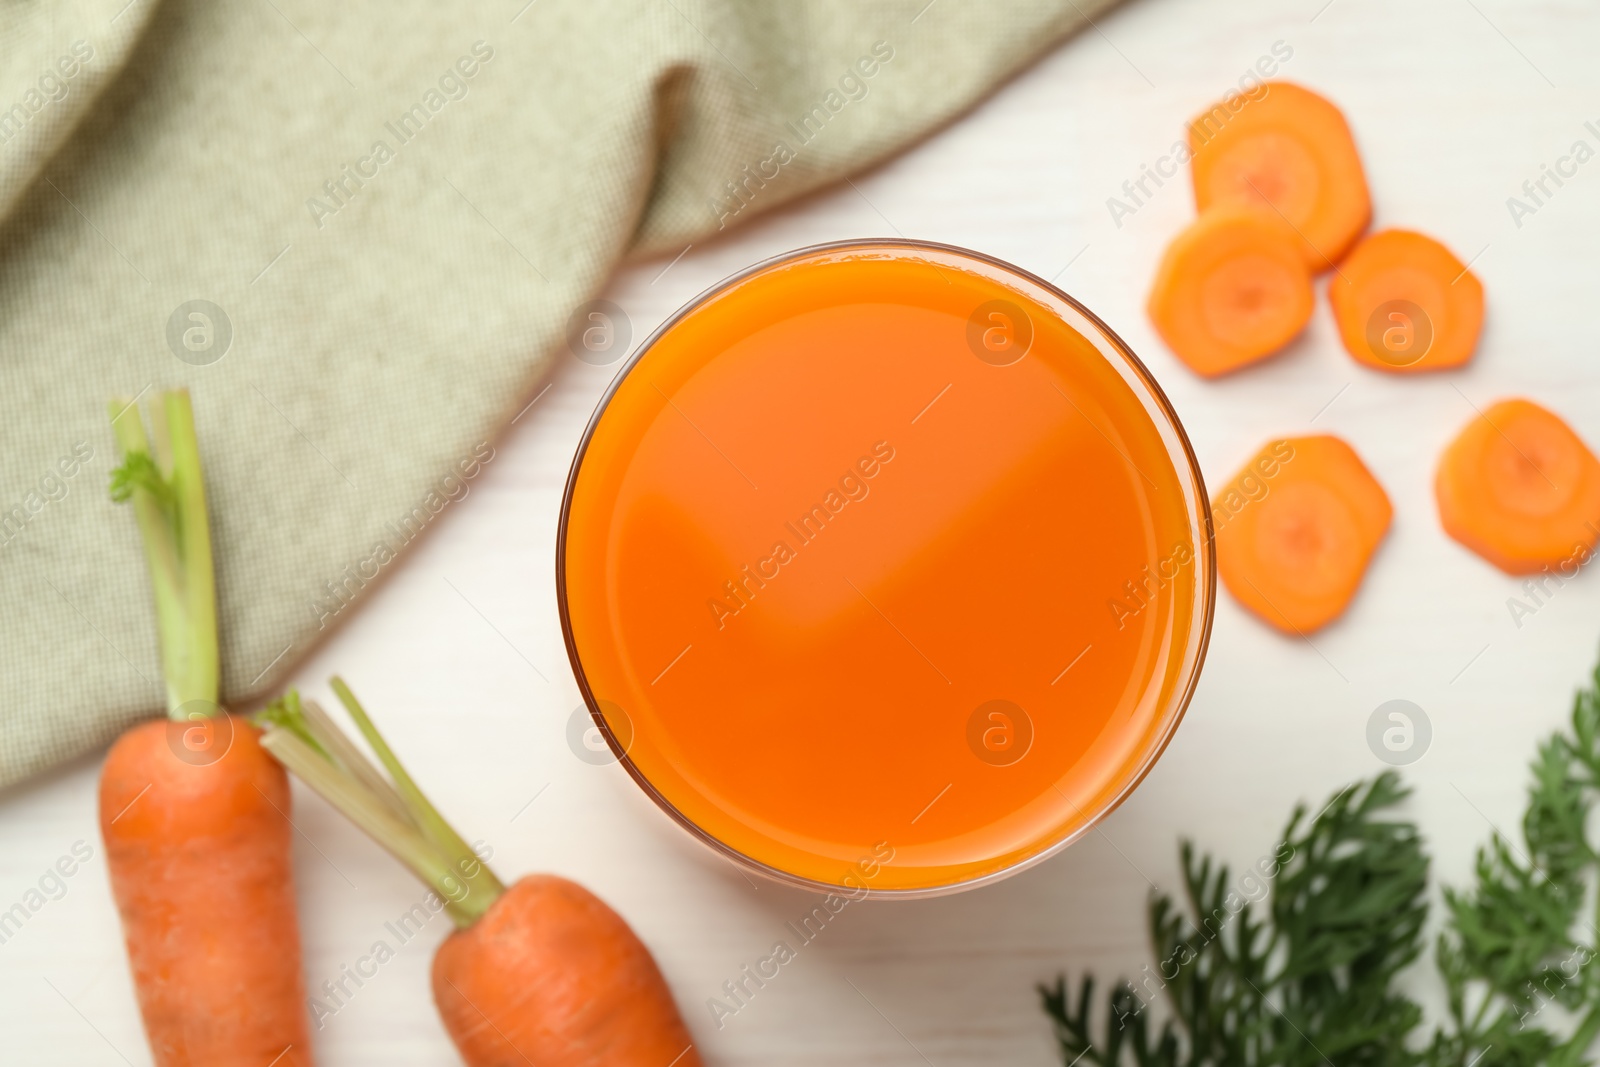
357, 232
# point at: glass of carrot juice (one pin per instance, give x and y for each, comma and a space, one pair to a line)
885, 568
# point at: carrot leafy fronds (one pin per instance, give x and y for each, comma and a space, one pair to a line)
160, 477
1317, 981
1310, 981
388, 807
139, 471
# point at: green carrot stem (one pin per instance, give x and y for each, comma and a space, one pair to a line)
166, 488
343, 753
379, 823
426, 815
391, 810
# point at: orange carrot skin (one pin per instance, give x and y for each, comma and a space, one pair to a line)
199, 856
551, 976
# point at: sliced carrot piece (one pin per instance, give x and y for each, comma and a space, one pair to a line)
1287, 147
1231, 289
1520, 489
1295, 530
1405, 303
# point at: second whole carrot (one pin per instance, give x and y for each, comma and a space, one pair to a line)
541, 972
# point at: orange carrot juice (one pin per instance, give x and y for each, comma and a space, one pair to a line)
886, 566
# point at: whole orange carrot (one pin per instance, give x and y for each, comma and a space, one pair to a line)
194, 813
542, 972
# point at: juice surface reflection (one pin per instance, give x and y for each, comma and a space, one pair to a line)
873, 552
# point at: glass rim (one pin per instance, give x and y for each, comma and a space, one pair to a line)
1205, 590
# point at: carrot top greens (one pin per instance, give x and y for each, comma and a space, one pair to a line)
1314, 980
387, 806
160, 477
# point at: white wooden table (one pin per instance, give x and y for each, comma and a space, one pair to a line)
1455, 103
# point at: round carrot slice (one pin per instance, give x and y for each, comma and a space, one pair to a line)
1520, 489
1296, 529
1405, 303
1287, 147
1231, 289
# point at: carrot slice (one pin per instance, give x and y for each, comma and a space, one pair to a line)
1520, 489
1231, 289
1405, 303
1291, 149
1296, 528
